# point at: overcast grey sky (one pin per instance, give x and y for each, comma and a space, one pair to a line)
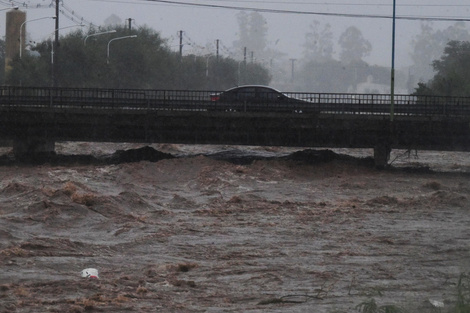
208, 20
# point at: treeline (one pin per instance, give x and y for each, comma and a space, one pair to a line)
145, 61
452, 75
334, 76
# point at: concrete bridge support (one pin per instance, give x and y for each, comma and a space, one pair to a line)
382, 154
29, 147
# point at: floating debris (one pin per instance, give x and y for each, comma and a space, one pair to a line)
90, 273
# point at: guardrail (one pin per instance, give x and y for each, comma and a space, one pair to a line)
293, 102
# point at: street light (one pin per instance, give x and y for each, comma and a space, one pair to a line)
12, 8
118, 38
21, 29
97, 34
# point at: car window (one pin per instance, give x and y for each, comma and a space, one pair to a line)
246, 94
267, 94
239, 94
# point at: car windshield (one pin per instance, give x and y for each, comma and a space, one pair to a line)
246, 94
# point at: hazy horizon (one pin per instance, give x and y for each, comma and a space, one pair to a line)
204, 22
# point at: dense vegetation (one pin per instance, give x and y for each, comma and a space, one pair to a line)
148, 62
145, 61
452, 77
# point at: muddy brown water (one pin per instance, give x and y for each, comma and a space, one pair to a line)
233, 229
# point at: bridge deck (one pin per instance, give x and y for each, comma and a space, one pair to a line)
35, 115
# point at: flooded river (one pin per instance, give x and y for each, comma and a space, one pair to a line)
232, 229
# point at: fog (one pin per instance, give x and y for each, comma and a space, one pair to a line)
204, 22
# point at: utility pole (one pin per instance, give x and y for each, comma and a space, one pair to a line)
292, 69
217, 49
242, 75
55, 66
392, 74
57, 21
181, 44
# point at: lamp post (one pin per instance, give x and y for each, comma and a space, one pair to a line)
97, 34
118, 38
21, 30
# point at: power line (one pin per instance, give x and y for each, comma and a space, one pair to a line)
341, 4
64, 10
70, 14
279, 11
23, 4
301, 3
27, 4
74, 17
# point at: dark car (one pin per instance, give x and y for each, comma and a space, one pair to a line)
253, 98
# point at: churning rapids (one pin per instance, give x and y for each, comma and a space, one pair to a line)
176, 228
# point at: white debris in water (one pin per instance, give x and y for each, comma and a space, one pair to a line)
90, 273
436, 303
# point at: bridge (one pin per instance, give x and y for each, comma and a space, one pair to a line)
33, 119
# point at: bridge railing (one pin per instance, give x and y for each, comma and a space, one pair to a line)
103, 98
381, 104
297, 102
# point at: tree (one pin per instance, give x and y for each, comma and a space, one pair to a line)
326, 76
113, 21
78, 65
318, 43
143, 62
252, 33
452, 77
333, 76
2, 61
429, 46
354, 46
29, 71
